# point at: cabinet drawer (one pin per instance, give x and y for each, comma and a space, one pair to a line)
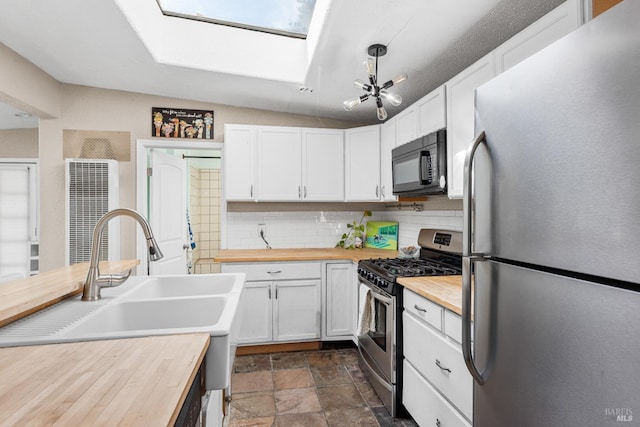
425, 404
440, 361
453, 326
423, 309
275, 271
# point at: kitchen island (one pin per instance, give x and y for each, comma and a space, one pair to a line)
140, 381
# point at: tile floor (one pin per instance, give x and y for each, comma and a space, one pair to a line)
306, 389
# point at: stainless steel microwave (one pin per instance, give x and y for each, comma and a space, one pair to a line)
419, 167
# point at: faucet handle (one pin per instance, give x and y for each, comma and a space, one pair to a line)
112, 280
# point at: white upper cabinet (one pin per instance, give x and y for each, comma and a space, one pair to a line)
279, 163
387, 143
322, 164
406, 125
460, 117
239, 162
551, 27
362, 163
431, 112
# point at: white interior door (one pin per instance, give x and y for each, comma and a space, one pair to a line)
167, 211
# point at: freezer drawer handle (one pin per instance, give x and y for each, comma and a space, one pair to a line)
275, 272
417, 307
439, 365
467, 263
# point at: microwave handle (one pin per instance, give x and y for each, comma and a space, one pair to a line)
424, 161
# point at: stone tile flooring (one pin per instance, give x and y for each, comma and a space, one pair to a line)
306, 389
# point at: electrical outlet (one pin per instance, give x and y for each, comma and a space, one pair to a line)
262, 229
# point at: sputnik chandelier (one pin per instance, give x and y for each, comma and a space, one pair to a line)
372, 89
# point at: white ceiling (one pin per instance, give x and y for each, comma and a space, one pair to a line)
124, 45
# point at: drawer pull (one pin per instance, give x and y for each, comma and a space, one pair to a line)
274, 272
439, 365
417, 307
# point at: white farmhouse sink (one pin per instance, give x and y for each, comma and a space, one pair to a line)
184, 286
154, 314
143, 306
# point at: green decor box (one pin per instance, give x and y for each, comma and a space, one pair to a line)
382, 235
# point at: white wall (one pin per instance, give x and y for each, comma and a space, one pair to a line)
322, 229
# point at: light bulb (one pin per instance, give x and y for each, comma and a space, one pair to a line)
393, 98
350, 103
361, 85
382, 113
371, 66
402, 77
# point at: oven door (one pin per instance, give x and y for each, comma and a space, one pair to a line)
376, 336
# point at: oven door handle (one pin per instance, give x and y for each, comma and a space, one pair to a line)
377, 295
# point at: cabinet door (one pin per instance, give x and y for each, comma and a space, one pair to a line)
279, 163
296, 310
255, 313
387, 143
460, 117
431, 112
362, 163
239, 157
406, 125
339, 304
546, 30
322, 165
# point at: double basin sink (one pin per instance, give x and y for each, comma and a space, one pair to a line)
144, 306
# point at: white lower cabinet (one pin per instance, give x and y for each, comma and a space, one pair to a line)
280, 301
437, 385
339, 301
425, 404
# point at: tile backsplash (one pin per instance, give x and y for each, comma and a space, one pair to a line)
323, 229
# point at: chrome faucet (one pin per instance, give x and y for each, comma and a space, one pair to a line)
95, 281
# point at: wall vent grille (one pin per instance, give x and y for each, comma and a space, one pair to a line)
92, 190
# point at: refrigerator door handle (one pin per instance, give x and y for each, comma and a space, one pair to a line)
467, 263
467, 200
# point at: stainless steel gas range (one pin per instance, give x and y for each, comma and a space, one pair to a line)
380, 308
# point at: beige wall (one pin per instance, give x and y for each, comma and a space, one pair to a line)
19, 143
26, 87
86, 108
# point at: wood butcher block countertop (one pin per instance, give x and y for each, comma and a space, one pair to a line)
22, 297
136, 382
301, 254
443, 290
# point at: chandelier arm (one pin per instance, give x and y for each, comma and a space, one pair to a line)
387, 85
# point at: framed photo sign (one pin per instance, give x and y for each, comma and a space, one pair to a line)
181, 123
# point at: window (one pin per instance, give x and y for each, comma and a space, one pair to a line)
284, 17
18, 200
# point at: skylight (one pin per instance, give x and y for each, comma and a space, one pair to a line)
284, 17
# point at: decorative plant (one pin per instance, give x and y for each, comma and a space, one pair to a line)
353, 237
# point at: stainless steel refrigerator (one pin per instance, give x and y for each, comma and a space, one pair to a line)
552, 234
